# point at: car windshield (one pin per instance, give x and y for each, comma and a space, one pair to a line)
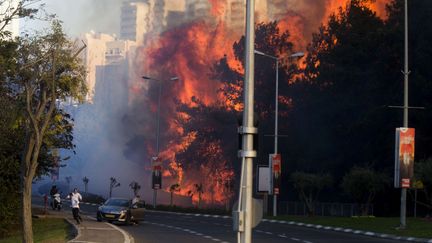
117, 202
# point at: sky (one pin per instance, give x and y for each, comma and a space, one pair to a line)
81, 16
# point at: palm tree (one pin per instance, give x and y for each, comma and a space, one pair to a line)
68, 181
173, 188
86, 181
113, 184
199, 189
135, 187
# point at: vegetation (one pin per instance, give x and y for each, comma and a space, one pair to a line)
423, 172
36, 71
135, 187
363, 184
113, 184
309, 186
45, 230
336, 112
173, 188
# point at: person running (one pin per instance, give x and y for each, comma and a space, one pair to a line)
75, 198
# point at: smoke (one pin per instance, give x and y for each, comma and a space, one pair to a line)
81, 16
116, 136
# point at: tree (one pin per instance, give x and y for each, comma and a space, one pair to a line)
85, 181
113, 184
173, 188
200, 190
68, 181
309, 186
363, 184
135, 187
14, 10
423, 172
48, 70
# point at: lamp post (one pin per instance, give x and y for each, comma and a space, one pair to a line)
158, 124
295, 55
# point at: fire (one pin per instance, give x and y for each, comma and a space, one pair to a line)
378, 6
189, 52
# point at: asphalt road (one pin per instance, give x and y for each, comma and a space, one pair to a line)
162, 227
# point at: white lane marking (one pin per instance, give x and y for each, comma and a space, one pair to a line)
95, 228
283, 236
294, 239
186, 230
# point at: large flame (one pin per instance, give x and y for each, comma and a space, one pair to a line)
189, 52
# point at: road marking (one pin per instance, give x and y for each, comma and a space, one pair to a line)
186, 230
294, 239
95, 228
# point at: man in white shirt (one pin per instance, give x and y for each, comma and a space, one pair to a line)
75, 198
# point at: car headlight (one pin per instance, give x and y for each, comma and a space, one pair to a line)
123, 211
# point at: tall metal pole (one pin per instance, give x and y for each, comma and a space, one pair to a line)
276, 129
405, 115
248, 116
157, 138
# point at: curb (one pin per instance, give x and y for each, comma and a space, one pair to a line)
320, 227
77, 230
127, 238
351, 231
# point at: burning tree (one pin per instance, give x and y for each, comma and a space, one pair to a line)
173, 188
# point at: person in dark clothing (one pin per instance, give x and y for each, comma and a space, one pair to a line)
53, 191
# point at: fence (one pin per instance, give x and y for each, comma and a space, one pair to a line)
324, 209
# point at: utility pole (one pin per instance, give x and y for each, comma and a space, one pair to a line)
405, 115
247, 129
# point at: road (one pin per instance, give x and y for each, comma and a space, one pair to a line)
162, 227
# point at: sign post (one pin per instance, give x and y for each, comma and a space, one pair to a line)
276, 170
156, 177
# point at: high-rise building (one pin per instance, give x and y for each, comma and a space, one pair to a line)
103, 50
135, 21
196, 9
235, 14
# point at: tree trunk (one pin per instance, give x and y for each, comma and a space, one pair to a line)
171, 199
26, 210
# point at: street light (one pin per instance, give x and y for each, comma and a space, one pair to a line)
158, 123
295, 55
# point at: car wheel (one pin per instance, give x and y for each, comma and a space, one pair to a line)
98, 217
128, 219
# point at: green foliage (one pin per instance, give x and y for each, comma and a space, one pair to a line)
309, 185
423, 172
363, 184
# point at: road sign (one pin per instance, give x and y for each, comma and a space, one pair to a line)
406, 183
404, 155
276, 170
263, 179
156, 173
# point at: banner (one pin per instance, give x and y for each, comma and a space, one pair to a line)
404, 157
276, 171
156, 173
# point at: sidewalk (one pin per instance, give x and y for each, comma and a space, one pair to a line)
91, 231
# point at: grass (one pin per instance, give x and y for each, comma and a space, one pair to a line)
416, 227
46, 230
